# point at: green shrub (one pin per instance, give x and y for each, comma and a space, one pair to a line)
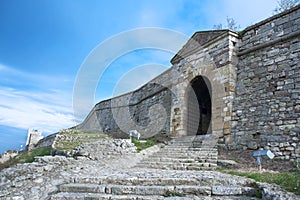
28, 156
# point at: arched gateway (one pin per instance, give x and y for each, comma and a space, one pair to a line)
199, 106
195, 98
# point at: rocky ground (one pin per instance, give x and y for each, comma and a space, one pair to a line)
245, 162
116, 177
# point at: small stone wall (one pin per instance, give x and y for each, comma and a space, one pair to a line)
8, 155
105, 149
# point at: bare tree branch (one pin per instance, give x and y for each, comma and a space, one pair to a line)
285, 5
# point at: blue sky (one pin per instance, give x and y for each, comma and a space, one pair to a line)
44, 43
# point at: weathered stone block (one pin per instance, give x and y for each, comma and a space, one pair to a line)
252, 145
226, 190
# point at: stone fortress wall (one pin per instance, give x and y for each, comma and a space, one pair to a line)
266, 109
169, 90
132, 110
253, 84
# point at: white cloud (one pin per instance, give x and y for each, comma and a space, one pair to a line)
34, 110
33, 101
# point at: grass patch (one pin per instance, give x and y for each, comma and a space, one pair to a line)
288, 181
68, 139
74, 133
221, 169
67, 145
26, 157
142, 145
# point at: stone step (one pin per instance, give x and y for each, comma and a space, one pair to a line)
94, 196
91, 196
146, 181
194, 157
187, 153
192, 145
187, 144
193, 140
155, 177
136, 189
189, 149
190, 138
168, 159
180, 159
184, 155
83, 188
174, 148
176, 166
196, 142
150, 162
166, 190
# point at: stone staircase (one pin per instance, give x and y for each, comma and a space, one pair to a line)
186, 153
171, 173
158, 184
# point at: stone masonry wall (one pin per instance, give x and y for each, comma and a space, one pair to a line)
146, 110
215, 60
266, 111
47, 141
255, 89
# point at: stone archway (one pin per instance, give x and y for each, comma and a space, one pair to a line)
199, 106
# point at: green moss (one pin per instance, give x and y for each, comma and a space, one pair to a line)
173, 194
141, 145
241, 33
